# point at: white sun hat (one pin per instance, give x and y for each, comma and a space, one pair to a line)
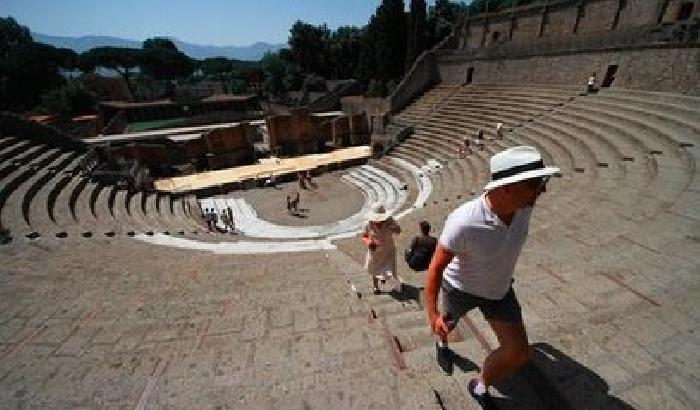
517, 164
378, 213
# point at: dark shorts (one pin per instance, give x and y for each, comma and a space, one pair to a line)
457, 303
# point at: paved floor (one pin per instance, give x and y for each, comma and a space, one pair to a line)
120, 324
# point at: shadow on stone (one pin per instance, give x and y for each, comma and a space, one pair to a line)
408, 292
463, 363
557, 382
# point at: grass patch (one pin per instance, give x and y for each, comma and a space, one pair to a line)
156, 124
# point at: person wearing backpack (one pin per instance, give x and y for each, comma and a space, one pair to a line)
419, 254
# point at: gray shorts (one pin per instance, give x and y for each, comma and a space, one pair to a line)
456, 304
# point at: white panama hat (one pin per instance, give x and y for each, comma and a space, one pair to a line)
517, 164
378, 213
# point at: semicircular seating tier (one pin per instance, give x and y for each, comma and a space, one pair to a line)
45, 193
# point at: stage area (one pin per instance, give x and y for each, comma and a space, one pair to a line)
264, 170
329, 201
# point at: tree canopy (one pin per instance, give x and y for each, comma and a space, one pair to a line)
27, 69
161, 60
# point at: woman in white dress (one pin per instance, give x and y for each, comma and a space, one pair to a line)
378, 236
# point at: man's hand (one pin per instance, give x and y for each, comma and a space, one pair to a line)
439, 327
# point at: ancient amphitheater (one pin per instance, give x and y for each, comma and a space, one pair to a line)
124, 300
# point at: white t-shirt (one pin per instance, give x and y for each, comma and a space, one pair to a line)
485, 248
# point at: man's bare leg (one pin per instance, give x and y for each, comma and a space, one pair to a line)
513, 351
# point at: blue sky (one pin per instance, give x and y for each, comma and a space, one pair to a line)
216, 22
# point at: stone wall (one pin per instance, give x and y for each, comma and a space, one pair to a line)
295, 134
497, 33
227, 139
636, 13
355, 104
560, 21
560, 18
653, 69
419, 78
340, 132
229, 147
674, 8
600, 15
527, 27
359, 129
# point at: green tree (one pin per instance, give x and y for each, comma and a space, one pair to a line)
417, 26
344, 52
308, 45
367, 65
68, 100
13, 37
161, 60
121, 60
216, 67
293, 77
441, 17
27, 69
390, 45
274, 69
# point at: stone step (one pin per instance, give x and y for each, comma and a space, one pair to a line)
40, 204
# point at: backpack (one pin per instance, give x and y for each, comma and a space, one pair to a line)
418, 257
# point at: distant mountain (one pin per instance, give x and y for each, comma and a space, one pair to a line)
252, 52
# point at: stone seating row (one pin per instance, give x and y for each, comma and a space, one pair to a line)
427, 102
42, 194
40, 200
597, 141
15, 211
601, 161
18, 174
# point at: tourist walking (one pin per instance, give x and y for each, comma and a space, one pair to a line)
591, 88
224, 220
214, 219
207, 218
474, 262
499, 130
419, 254
231, 221
295, 202
378, 236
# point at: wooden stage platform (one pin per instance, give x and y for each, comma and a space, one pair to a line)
265, 169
